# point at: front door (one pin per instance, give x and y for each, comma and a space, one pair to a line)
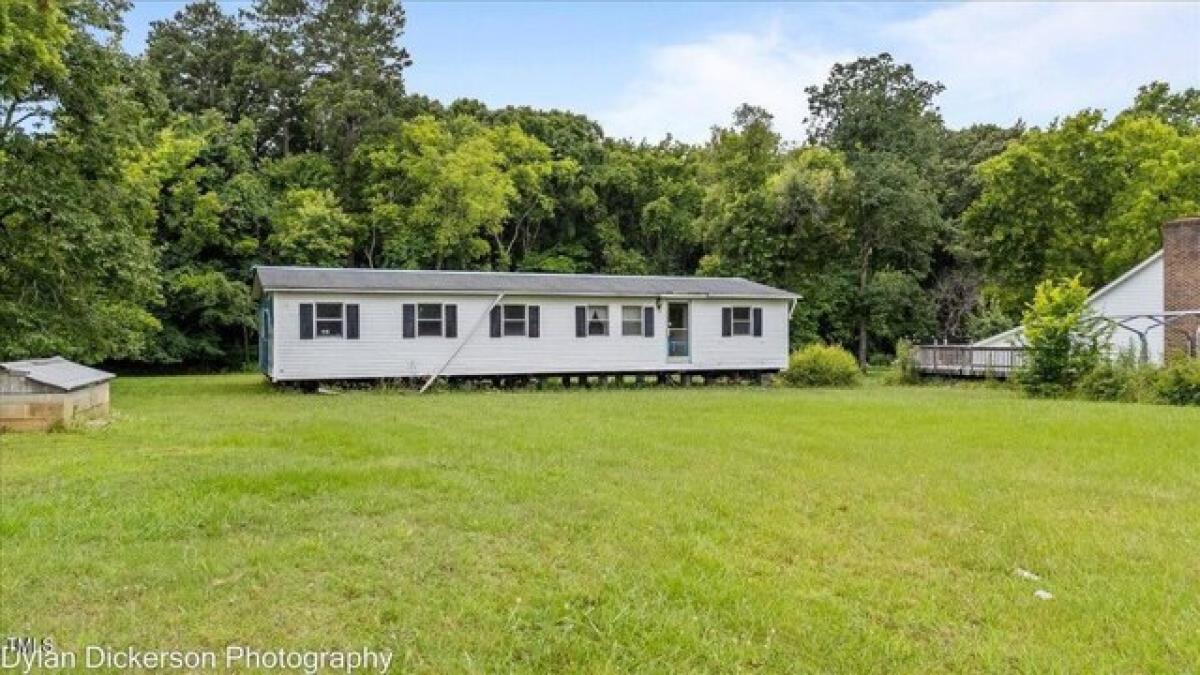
678, 340
264, 339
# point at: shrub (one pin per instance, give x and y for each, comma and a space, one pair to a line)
1179, 382
1121, 379
904, 366
1064, 337
820, 365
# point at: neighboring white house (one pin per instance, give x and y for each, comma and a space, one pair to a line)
328, 324
1154, 308
1133, 303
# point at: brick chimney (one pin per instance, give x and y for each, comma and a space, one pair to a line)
1181, 280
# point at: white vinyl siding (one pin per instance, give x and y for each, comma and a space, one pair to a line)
381, 351
1138, 293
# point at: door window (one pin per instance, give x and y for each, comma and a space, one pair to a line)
677, 330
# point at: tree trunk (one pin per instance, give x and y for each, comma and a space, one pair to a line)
862, 343
864, 277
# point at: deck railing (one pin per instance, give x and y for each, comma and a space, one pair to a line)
968, 361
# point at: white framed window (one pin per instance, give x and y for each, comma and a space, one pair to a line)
743, 323
515, 320
597, 320
331, 319
429, 320
631, 320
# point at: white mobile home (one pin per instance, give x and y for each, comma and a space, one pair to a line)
336, 324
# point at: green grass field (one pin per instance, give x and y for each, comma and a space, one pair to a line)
655, 530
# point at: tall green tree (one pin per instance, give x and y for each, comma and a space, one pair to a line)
883, 118
1179, 109
206, 60
77, 266
957, 284
331, 69
647, 198
451, 194
812, 194
353, 52
875, 105
210, 213
309, 228
738, 219
784, 218
895, 220
33, 37
1083, 196
78, 271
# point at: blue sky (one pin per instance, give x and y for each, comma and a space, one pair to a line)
647, 69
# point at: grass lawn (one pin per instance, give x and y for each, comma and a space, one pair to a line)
657, 530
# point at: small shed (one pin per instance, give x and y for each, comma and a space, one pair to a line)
40, 394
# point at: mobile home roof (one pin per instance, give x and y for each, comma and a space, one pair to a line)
269, 279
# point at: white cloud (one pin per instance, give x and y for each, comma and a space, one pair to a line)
999, 62
1041, 60
685, 89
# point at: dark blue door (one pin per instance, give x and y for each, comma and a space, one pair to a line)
264, 337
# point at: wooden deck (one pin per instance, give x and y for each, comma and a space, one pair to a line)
968, 361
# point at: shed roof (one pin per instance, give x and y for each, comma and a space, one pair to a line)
57, 372
436, 281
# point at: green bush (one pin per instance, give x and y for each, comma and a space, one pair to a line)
1064, 337
1121, 379
904, 366
820, 365
1179, 382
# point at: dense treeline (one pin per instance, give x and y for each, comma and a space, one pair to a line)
137, 194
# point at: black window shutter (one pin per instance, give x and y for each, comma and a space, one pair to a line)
496, 321
410, 321
648, 322
535, 321
451, 321
351, 322
726, 321
306, 321
580, 321
758, 322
